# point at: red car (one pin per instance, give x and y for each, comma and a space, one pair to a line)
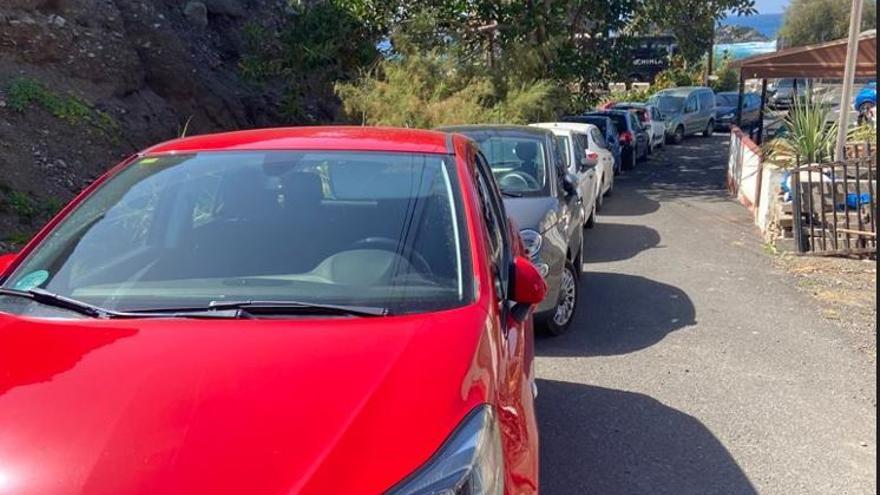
313, 310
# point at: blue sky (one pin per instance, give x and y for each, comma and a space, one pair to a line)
771, 6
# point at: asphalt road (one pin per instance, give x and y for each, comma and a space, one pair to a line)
693, 366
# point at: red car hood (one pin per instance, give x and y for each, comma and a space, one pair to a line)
241, 406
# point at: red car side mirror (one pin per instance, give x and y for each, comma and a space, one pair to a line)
529, 286
6, 260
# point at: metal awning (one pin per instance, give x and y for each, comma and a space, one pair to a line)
825, 60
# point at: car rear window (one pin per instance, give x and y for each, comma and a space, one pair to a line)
619, 120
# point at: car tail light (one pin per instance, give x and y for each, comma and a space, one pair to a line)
626, 137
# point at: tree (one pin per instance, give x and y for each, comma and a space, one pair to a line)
444, 85
815, 21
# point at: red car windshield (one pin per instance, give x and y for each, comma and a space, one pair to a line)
371, 229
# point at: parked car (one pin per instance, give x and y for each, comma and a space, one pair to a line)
866, 102
543, 201
588, 146
688, 110
312, 310
582, 163
784, 91
609, 134
726, 104
632, 136
651, 117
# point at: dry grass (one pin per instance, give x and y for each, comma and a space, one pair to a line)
845, 290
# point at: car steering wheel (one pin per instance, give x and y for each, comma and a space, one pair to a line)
387, 244
519, 178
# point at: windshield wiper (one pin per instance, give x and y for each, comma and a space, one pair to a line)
511, 194
300, 307
51, 299
56, 300
252, 308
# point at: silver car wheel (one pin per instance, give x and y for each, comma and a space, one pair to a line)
567, 299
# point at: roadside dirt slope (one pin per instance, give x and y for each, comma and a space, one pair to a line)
84, 83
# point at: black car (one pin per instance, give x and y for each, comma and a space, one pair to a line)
609, 132
725, 110
542, 198
632, 135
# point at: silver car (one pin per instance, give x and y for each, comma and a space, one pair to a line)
543, 201
688, 110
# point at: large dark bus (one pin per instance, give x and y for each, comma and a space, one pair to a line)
648, 56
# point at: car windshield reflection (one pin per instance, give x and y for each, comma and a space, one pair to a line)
368, 229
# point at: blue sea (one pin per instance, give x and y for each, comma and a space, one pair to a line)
766, 24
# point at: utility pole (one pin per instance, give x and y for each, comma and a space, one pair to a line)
711, 56
711, 12
852, 52
489, 30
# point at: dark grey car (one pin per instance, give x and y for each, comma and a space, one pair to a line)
725, 110
634, 141
543, 202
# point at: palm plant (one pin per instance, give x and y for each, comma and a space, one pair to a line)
808, 137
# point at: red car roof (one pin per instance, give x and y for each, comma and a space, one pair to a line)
346, 138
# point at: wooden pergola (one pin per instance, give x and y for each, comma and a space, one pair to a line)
825, 60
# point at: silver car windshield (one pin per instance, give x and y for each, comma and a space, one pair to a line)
518, 163
668, 103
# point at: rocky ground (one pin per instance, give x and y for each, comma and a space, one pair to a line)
84, 83
738, 34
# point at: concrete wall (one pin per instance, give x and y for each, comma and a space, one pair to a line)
771, 176
744, 170
754, 184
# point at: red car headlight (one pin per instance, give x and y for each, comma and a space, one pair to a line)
469, 463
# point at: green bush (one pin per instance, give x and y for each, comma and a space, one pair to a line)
323, 43
727, 79
20, 203
629, 95
17, 238
23, 93
863, 133
431, 88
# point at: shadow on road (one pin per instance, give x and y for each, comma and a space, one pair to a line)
600, 441
628, 202
696, 168
617, 241
619, 314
